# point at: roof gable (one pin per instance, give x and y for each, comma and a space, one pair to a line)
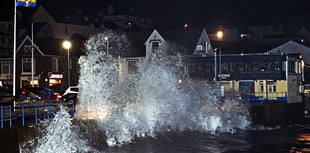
184, 38
154, 36
28, 39
203, 45
292, 47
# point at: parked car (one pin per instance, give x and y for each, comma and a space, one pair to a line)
46, 93
70, 94
24, 95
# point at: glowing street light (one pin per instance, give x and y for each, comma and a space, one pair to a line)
220, 35
67, 45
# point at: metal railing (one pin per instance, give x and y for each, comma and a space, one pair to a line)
30, 113
265, 96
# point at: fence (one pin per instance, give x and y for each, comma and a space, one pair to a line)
30, 113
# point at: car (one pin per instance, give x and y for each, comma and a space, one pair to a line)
70, 94
46, 93
24, 95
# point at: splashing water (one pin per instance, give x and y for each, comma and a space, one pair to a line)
116, 111
61, 136
150, 101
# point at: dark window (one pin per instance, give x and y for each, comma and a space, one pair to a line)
233, 66
225, 67
155, 46
291, 66
240, 66
26, 65
132, 66
255, 66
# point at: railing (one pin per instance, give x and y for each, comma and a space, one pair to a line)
265, 96
30, 113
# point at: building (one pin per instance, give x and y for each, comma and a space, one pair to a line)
271, 81
256, 77
50, 65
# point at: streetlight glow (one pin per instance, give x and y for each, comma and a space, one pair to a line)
220, 35
67, 45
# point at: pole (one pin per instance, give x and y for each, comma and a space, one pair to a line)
68, 67
32, 64
107, 46
215, 66
220, 64
14, 52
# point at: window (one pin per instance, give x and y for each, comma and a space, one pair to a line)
240, 66
255, 66
26, 65
247, 67
225, 67
261, 84
6, 67
155, 46
291, 66
132, 66
270, 88
233, 66
27, 49
55, 65
199, 47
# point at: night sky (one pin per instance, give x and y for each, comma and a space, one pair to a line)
194, 12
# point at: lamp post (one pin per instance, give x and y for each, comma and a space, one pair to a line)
67, 45
220, 35
107, 40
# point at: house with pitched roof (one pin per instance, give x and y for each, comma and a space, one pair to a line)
185, 41
49, 61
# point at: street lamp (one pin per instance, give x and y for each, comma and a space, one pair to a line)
67, 45
220, 35
107, 40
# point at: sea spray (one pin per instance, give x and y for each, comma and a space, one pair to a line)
150, 101
61, 136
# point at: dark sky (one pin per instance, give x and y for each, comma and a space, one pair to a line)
194, 12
